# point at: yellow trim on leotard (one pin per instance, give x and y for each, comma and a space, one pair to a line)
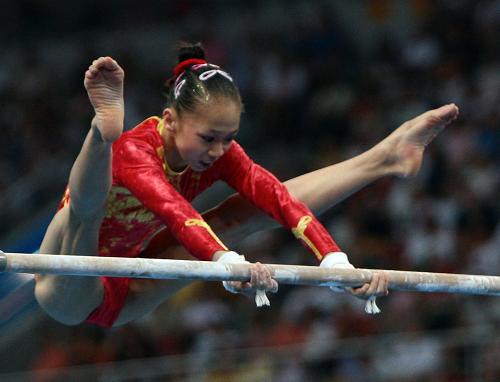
173, 176
299, 233
160, 126
204, 224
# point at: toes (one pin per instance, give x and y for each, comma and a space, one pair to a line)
106, 63
109, 64
446, 113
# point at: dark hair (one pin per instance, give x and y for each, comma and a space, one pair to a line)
194, 90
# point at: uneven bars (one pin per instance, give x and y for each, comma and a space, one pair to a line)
213, 271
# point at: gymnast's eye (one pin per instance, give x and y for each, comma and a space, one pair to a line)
207, 138
231, 137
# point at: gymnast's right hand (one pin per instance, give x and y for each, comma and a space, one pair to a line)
260, 279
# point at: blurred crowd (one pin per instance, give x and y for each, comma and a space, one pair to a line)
321, 81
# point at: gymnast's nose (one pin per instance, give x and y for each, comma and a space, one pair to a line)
216, 150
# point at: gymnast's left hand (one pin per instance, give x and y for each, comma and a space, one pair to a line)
377, 287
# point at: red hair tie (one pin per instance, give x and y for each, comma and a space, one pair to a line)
184, 64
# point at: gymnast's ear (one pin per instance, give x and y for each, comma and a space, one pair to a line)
170, 118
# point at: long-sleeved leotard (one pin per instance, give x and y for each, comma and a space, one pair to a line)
146, 196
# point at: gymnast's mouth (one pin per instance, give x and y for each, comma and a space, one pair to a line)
205, 164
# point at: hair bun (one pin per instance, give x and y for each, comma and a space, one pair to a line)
189, 50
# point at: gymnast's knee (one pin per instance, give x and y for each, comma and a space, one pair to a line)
65, 308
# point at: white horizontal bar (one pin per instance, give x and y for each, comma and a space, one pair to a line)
213, 271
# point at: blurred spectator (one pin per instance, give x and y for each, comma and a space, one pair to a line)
322, 81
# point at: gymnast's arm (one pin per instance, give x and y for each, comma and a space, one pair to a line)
264, 190
137, 167
269, 194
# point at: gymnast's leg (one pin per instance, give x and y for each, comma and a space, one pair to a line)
74, 229
399, 154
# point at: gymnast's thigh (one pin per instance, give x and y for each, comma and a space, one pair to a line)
70, 235
69, 299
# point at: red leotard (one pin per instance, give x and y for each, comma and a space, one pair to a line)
146, 196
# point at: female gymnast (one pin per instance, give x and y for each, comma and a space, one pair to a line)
124, 189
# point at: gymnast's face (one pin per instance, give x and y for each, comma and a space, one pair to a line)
202, 136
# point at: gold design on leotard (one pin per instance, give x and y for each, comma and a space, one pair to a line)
66, 197
160, 151
124, 206
173, 177
160, 126
299, 233
204, 224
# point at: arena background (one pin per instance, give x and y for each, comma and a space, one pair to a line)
321, 82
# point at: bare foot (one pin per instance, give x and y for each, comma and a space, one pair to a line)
405, 146
104, 84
